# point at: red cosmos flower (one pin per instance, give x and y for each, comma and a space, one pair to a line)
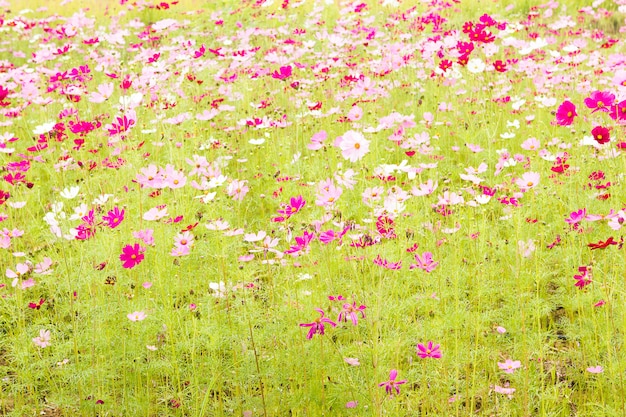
37, 305
603, 245
600, 101
499, 66
565, 113
445, 64
132, 255
601, 134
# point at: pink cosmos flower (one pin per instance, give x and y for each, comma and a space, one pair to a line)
351, 311
132, 255
352, 361
576, 216
424, 189
288, 210
317, 141
428, 351
595, 369
425, 262
527, 181
185, 238
283, 73
327, 193
317, 326
392, 385
43, 340
565, 113
509, 366
531, 144
237, 189
618, 111
180, 251
355, 113
583, 278
504, 390
353, 146
146, 236
137, 316
113, 218
600, 101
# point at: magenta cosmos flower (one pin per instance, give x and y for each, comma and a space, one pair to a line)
600, 101
132, 255
317, 326
392, 384
565, 113
428, 351
114, 217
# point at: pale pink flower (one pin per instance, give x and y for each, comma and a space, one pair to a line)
354, 146
44, 338
424, 189
504, 390
528, 181
595, 369
146, 236
180, 251
509, 366
255, 237
105, 91
137, 316
237, 189
327, 193
352, 361
617, 221
355, 113
156, 213
317, 141
527, 248
531, 144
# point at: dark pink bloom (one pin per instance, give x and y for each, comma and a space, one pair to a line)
565, 113
584, 277
288, 210
600, 101
601, 134
576, 216
317, 326
302, 243
618, 111
113, 218
283, 73
428, 351
132, 255
392, 384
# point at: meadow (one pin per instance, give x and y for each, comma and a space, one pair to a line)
312, 208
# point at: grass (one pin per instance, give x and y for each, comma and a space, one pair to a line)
239, 349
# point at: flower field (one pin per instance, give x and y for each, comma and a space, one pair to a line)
312, 208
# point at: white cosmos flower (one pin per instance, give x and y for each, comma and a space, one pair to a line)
44, 128
70, 192
475, 65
